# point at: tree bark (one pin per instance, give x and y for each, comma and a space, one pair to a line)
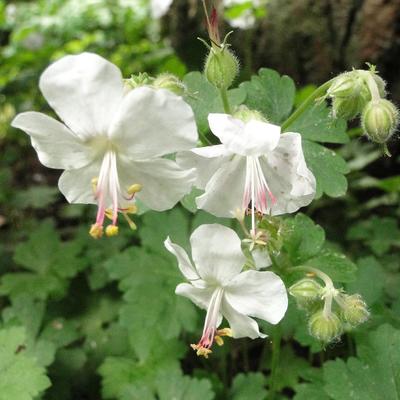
310, 40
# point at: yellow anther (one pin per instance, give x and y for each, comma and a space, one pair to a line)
132, 225
112, 230
109, 213
137, 187
201, 351
94, 183
225, 332
219, 340
239, 214
96, 231
132, 209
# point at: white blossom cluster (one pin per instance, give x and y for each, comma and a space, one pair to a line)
112, 144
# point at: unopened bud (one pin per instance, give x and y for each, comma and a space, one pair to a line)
245, 114
379, 120
141, 79
221, 67
325, 328
348, 84
353, 309
170, 82
306, 292
347, 108
380, 83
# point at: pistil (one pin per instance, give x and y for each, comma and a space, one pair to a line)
203, 348
256, 191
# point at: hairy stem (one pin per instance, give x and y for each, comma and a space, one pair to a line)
225, 101
319, 92
276, 350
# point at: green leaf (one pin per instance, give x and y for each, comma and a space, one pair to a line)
303, 238
318, 125
179, 387
307, 391
328, 168
21, 378
380, 234
156, 227
370, 280
271, 94
148, 282
205, 98
249, 386
51, 261
290, 369
336, 265
189, 201
36, 197
374, 375
123, 375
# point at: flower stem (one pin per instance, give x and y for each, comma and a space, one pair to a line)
276, 350
324, 277
319, 92
225, 101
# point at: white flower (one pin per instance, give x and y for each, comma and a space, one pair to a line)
255, 164
218, 286
111, 144
159, 7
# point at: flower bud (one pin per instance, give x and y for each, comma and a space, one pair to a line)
306, 292
245, 114
325, 328
347, 108
141, 79
348, 84
170, 82
354, 310
379, 120
380, 83
221, 67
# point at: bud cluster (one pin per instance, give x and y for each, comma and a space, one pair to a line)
360, 92
163, 81
331, 311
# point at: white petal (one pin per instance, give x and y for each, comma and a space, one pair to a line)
259, 294
241, 325
163, 182
85, 90
224, 192
76, 184
160, 7
200, 296
153, 122
217, 253
55, 144
261, 258
287, 175
184, 263
251, 138
206, 161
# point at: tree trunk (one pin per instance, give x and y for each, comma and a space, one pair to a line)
310, 40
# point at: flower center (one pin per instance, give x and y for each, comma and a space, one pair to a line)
107, 191
256, 190
210, 332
